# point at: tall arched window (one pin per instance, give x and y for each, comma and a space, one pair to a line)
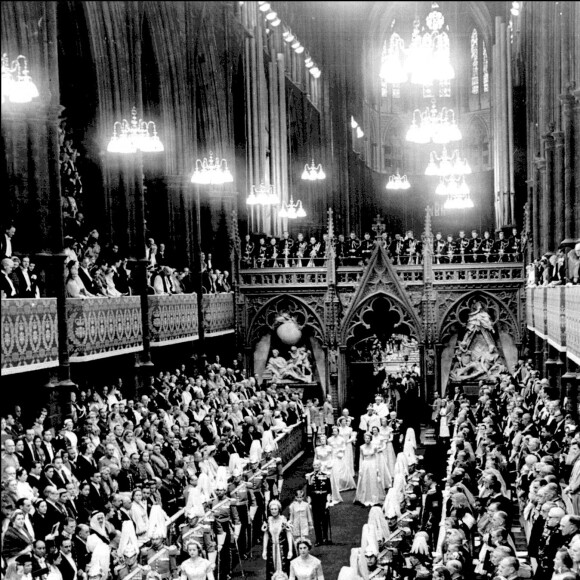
474, 63
479, 65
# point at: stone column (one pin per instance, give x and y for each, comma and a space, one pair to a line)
548, 191
567, 101
559, 184
537, 207
575, 200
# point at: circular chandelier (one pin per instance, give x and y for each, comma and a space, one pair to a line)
398, 182
433, 125
458, 202
134, 136
17, 85
212, 171
292, 210
262, 195
313, 172
427, 58
447, 164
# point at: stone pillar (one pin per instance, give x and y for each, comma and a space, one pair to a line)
559, 184
568, 195
537, 206
575, 199
548, 192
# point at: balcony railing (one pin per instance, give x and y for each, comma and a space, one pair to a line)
29, 335
99, 326
554, 315
268, 277
102, 327
485, 273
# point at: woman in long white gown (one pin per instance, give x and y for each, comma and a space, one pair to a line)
349, 436
323, 452
381, 450
386, 434
369, 490
340, 465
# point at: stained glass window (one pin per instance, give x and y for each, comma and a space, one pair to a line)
485, 70
474, 63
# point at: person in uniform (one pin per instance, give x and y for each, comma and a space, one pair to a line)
248, 249
431, 505
313, 252
486, 247
286, 245
128, 551
396, 249
261, 253
366, 247
319, 496
300, 251
371, 556
438, 249
340, 250
450, 251
273, 477
324, 247
515, 246
501, 248
243, 497
410, 253
353, 246
462, 245
272, 253
227, 527
157, 532
550, 541
474, 248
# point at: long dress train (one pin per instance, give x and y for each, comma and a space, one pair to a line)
340, 465
349, 437
324, 454
369, 490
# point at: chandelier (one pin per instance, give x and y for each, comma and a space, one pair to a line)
428, 56
262, 195
134, 136
292, 210
456, 190
398, 182
313, 172
392, 68
432, 125
212, 171
458, 202
447, 164
17, 86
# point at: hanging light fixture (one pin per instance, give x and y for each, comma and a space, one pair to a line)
447, 164
392, 67
432, 125
212, 171
457, 192
292, 210
264, 6
398, 182
130, 137
17, 85
262, 195
288, 36
313, 172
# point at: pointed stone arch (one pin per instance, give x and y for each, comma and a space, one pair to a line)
455, 317
264, 319
380, 278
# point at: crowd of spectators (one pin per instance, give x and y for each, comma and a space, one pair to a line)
556, 268
262, 251
68, 493
513, 461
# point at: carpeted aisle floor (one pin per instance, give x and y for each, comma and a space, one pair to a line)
347, 521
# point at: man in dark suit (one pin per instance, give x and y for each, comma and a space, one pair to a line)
26, 286
38, 557
432, 503
68, 567
96, 496
47, 446
29, 452
85, 275
80, 551
55, 513
7, 283
6, 242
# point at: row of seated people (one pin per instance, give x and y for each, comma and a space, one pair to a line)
407, 250
556, 269
69, 494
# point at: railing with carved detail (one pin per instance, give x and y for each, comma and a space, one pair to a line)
554, 315
29, 334
99, 327
484, 273
267, 277
172, 319
218, 313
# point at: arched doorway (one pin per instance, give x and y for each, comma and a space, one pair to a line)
382, 340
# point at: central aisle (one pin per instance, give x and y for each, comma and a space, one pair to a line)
347, 521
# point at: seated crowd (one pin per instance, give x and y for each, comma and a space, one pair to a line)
95, 271
556, 269
514, 459
67, 495
262, 251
